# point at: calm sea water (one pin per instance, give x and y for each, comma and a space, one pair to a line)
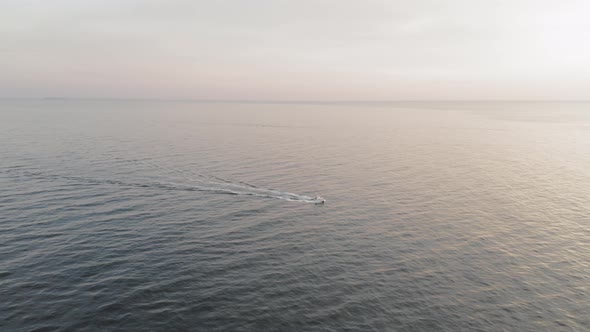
172, 216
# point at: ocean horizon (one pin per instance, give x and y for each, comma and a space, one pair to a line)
204, 216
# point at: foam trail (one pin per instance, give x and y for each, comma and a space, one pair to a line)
258, 192
239, 184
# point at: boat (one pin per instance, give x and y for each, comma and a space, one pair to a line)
319, 200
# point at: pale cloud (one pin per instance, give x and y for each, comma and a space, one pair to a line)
277, 49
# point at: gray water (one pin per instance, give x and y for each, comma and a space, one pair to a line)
187, 216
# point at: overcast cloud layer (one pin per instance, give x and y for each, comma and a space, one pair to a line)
299, 49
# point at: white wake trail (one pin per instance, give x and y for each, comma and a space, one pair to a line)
204, 182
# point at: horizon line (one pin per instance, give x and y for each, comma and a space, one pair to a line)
278, 101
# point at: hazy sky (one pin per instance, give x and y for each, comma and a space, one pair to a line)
296, 49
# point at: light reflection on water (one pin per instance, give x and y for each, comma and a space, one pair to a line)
440, 216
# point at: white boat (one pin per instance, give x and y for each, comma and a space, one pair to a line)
319, 200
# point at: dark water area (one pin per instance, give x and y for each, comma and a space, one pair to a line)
180, 216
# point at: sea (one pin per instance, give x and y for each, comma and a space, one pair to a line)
139, 215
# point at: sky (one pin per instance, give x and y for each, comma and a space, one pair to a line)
296, 49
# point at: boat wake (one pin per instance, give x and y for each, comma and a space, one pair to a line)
214, 183
189, 182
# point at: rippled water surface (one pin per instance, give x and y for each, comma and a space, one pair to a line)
172, 216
